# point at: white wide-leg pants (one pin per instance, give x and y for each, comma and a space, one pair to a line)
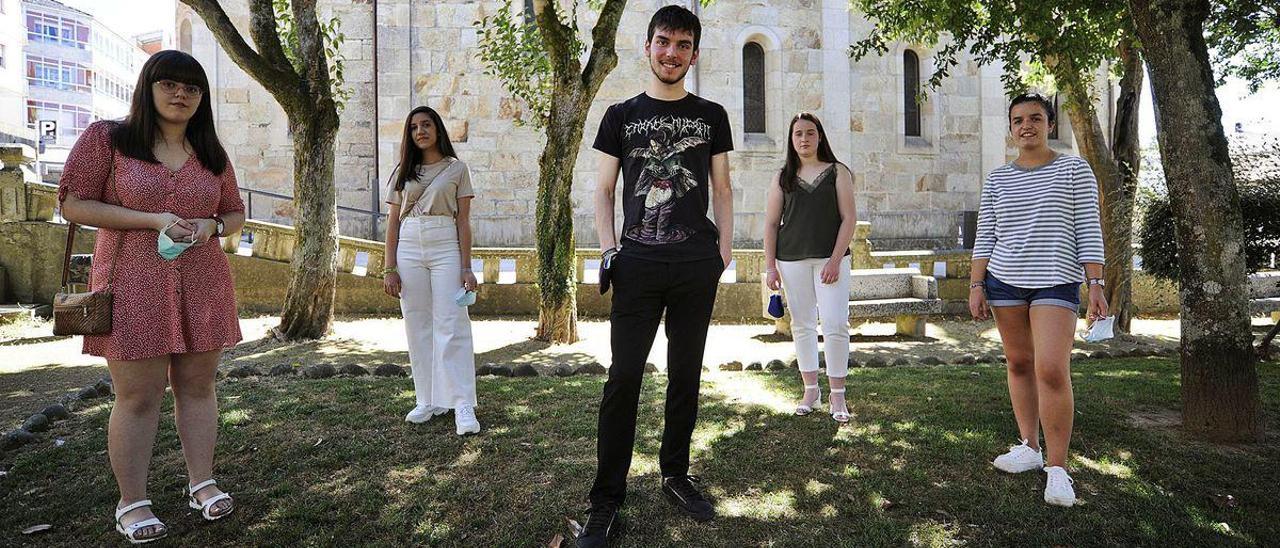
808, 299
441, 351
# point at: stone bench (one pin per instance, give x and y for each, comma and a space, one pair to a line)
1264, 294
899, 293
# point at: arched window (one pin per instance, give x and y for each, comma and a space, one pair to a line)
753, 111
184, 36
1057, 118
911, 93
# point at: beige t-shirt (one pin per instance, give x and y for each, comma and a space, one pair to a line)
436, 190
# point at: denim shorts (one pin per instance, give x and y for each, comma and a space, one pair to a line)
1003, 294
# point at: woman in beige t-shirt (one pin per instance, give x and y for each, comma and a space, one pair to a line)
428, 260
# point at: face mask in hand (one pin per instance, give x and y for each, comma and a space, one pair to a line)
1101, 330
167, 248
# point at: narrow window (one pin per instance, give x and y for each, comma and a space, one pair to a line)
911, 93
184, 36
1053, 132
528, 13
753, 112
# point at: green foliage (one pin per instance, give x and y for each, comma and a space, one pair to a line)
1080, 32
1244, 38
1258, 182
512, 51
332, 38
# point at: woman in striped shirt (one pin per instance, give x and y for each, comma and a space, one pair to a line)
1038, 238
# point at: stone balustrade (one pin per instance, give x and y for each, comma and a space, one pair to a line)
957, 261
42, 201
275, 242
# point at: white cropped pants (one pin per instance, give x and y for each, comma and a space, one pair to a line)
441, 351
808, 299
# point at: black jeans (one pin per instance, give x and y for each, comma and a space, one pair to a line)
642, 290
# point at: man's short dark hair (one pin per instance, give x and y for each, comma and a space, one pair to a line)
676, 18
1034, 98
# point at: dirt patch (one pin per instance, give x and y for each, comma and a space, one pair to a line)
1156, 419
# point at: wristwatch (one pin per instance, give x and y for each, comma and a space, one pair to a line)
1098, 282
218, 221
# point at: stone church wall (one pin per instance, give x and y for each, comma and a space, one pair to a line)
911, 188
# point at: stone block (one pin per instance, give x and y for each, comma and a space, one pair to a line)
235, 95
911, 325
882, 283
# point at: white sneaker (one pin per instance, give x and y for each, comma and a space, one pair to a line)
1057, 488
464, 417
423, 413
1020, 458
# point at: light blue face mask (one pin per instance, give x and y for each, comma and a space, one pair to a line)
464, 298
167, 248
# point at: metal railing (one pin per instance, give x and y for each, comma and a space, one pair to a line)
375, 217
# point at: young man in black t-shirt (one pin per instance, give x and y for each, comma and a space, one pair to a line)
672, 148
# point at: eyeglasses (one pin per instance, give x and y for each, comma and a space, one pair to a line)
171, 88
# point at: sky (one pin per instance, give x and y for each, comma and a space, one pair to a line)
129, 17
1259, 113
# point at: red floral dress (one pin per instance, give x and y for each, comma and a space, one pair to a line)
160, 307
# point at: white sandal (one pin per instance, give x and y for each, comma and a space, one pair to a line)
802, 409
130, 531
207, 505
840, 416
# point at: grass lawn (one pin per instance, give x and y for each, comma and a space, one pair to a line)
332, 463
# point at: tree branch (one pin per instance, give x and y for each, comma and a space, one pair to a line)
281, 83
604, 40
262, 28
556, 36
311, 43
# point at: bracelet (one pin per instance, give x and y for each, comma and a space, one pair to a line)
977, 284
467, 271
390, 270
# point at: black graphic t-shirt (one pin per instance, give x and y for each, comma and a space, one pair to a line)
666, 149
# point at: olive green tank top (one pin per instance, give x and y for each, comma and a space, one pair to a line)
810, 219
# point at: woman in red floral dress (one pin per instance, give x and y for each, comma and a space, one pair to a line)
160, 170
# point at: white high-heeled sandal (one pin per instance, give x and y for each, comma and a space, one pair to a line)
802, 409
207, 506
841, 416
130, 531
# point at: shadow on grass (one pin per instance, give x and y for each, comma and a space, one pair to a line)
332, 463
268, 352
25, 392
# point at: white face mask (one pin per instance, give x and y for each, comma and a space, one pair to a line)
1101, 330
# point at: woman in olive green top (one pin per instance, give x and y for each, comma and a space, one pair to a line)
808, 255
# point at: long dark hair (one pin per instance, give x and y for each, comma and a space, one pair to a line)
137, 134
789, 170
411, 155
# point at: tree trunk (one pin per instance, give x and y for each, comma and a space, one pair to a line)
1117, 200
1220, 399
557, 289
1126, 150
308, 307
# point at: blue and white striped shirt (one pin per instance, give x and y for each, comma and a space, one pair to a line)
1038, 226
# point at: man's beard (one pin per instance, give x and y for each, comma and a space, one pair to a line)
656, 67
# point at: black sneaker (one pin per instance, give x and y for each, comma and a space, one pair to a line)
682, 492
603, 521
